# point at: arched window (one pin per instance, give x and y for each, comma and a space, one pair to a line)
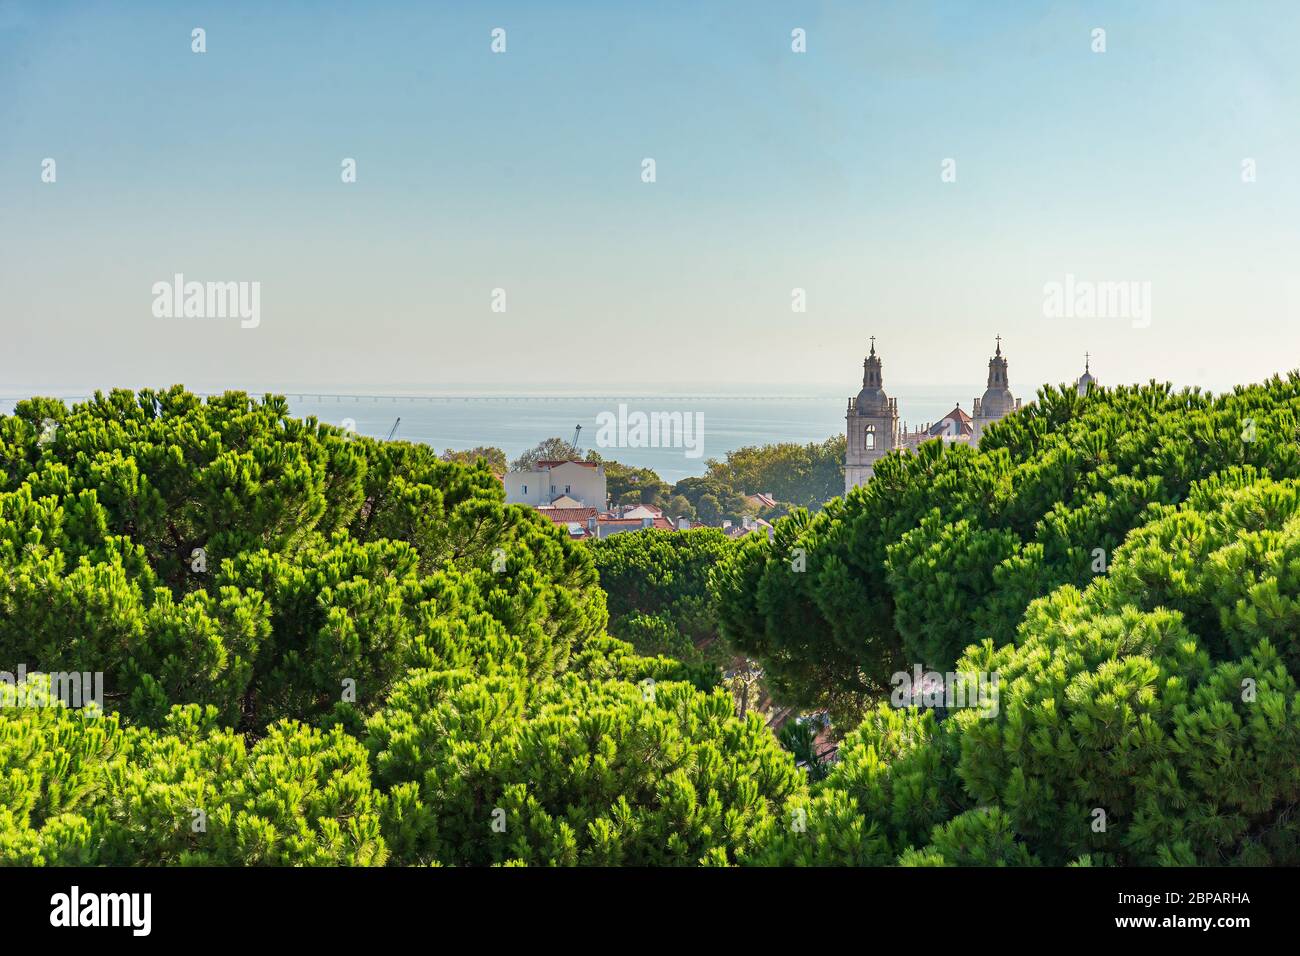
869, 439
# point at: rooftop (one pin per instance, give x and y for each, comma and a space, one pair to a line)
564, 461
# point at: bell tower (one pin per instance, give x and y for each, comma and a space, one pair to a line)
997, 402
871, 425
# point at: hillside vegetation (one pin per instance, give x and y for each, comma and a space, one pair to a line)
321, 649
1126, 563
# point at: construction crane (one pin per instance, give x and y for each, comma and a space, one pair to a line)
577, 431
393, 431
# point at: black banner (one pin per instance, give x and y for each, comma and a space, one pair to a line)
333, 906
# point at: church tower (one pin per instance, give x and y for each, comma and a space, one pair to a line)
872, 425
998, 402
1086, 380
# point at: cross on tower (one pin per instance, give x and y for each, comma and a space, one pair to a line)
1086, 359
999, 338
873, 345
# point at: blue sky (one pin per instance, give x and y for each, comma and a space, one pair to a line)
521, 171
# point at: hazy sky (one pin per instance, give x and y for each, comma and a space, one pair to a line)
523, 170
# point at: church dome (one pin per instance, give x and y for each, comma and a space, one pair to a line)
998, 400
1086, 379
872, 400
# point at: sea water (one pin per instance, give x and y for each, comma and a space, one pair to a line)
517, 422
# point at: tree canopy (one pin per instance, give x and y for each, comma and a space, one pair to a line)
797, 476
549, 449
1150, 719
318, 649
495, 457
946, 547
657, 590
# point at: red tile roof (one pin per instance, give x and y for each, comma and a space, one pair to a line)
963, 423
565, 515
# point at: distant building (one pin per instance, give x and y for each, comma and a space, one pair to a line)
748, 525
998, 402
592, 523
631, 518
955, 426
573, 495
761, 500
1086, 380
577, 521
607, 525
580, 483
871, 422
642, 511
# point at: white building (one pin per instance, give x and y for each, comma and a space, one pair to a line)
582, 483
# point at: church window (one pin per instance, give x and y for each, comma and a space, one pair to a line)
869, 439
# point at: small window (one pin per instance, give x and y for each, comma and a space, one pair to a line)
525, 489
869, 439
566, 489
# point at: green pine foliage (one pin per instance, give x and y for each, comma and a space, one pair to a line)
319, 649
87, 790
483, 771
657, 588
1150, 719
946, 547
